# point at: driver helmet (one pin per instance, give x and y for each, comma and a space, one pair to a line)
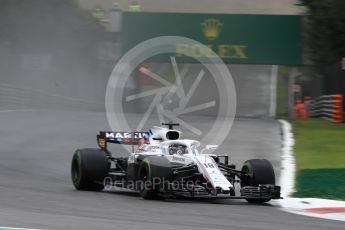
178, 149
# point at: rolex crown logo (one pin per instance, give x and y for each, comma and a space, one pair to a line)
211, 28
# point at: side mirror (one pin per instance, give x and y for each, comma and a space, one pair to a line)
210, 148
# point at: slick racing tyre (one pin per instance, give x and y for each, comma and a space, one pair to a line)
261, 172
89, 168
153, 172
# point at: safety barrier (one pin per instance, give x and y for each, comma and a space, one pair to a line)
301, 110
329, 107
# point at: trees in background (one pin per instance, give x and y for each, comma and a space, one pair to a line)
324, 32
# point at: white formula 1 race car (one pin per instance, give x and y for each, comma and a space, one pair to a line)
165, 165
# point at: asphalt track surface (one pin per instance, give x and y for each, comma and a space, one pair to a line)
36, 192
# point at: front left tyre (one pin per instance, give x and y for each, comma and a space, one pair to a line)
88, 169
259, 171
153, 172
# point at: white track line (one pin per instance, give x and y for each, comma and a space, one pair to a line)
287, 176
16, 110
287, 180
9, 228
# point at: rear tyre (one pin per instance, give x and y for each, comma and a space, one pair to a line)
153, 172
88, 169
261, 172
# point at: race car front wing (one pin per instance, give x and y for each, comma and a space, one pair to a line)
261, 192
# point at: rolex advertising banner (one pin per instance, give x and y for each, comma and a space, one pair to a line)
238, 39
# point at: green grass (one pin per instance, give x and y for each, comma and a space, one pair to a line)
319, 144
319, 148
322, 183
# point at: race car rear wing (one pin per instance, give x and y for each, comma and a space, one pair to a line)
125, 138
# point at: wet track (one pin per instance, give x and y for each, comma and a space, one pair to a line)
36, 191
53, 56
